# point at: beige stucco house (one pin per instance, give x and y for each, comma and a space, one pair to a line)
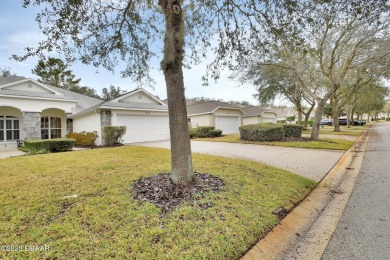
257, 114
219, 114
32, 110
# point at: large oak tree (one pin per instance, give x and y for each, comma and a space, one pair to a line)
103, 32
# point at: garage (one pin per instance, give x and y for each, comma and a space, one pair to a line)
228, 124
143, 128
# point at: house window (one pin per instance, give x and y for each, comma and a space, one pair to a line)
50, 127
9, 128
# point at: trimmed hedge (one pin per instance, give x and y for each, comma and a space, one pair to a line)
292, 130
216, 133
262, 132
113, 134
204, 131
50, 145
83, 138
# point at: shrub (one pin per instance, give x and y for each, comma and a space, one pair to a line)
83, 138
113, 134
293, 130
310, 122
388, 119
47, 146
262, 132
201, 131
216, 133
290, 118
281, 121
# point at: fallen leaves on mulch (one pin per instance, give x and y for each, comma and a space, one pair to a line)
162, 192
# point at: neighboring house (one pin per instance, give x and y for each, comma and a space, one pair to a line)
33, 110
256, 114
221, 115
283, 113
145, 117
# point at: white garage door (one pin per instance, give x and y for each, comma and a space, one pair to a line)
143, 128
228, 124
269, 119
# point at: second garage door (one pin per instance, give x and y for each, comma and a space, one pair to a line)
144, 128
228, 124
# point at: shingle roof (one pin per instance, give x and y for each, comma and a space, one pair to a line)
282, 111
6, 80
253, 110
208, 107
83, 102
10, 92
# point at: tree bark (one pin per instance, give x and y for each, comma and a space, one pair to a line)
307, 115
335, 112
298, 106
315, 132
181, 159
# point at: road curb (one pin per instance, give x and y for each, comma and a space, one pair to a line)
307, 230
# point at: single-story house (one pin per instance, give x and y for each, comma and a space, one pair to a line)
219, 114
32, 110
257, 114
284, 112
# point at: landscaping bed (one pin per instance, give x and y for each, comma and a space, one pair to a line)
82, 205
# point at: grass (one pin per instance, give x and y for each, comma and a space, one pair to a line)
353, 131
105, 221
324, 143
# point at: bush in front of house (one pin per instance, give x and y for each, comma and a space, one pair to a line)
47, 146
262, 133
293, 130
204, 131
113, 135
83, 138
216, 133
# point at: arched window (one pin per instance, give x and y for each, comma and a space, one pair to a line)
9, 128
50, 127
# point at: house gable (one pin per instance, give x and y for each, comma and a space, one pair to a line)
139, 96
29, 86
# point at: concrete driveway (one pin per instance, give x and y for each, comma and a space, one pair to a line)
310, 163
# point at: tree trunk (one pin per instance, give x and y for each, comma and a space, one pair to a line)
181, 159
335, 112
349, 118
299, 111
307, 114
315, 132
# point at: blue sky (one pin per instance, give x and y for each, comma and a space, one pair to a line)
18, 29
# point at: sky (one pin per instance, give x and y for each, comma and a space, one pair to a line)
18, 30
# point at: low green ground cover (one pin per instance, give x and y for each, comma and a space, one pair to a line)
105, 221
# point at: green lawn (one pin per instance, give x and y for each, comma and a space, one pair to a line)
323, 143
352, 131
105, 221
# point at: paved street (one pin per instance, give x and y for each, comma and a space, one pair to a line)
310, 163
364, 229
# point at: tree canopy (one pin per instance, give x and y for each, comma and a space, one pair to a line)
55, 72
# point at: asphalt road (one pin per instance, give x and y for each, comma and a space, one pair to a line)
364, 229
310, 163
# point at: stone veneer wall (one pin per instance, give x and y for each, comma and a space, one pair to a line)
105, 119
31, 125
69, 124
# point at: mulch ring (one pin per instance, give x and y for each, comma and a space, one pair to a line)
162, 192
